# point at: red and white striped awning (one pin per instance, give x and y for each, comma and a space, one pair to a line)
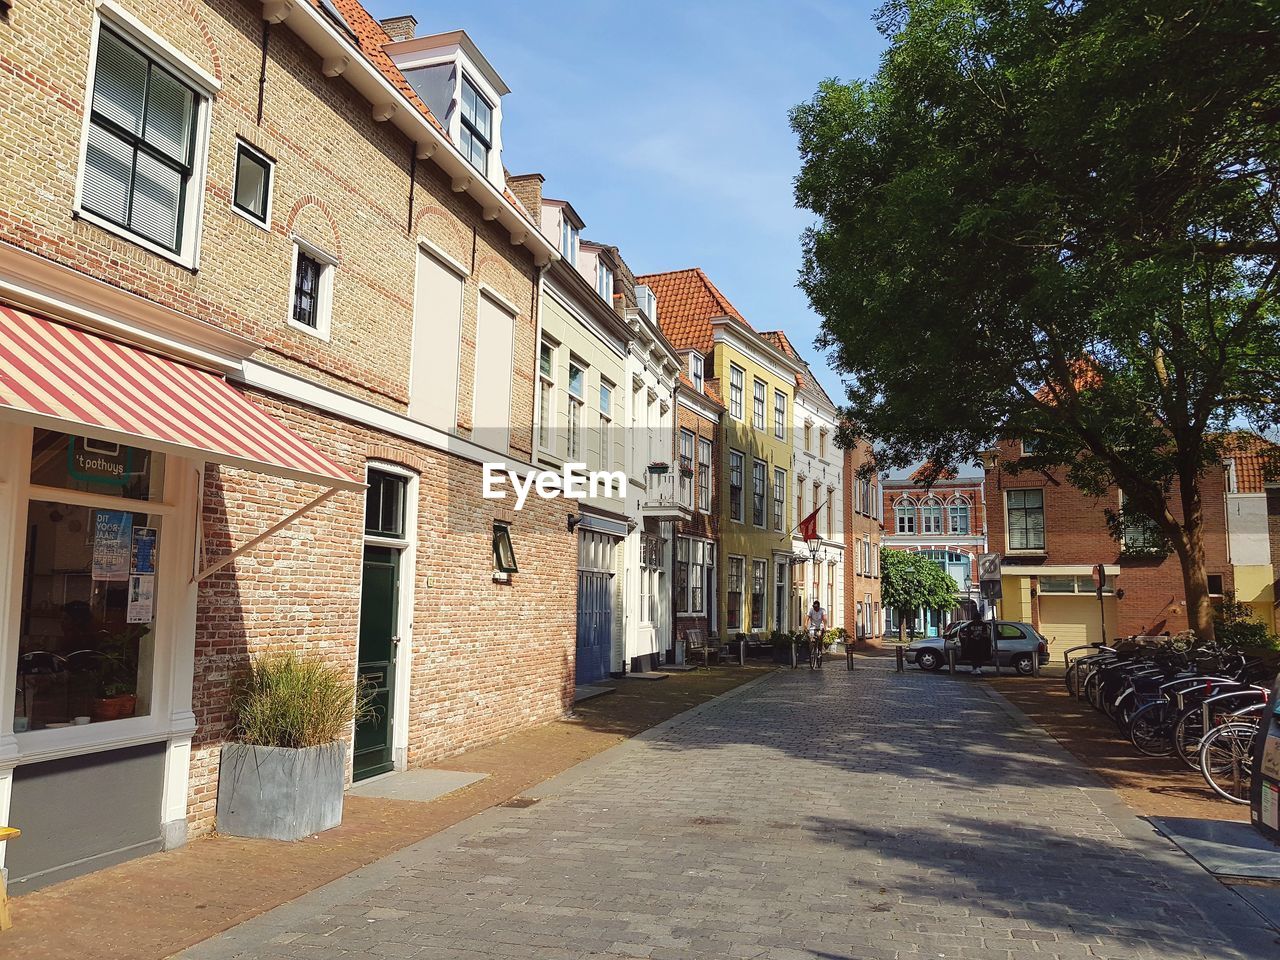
67, 379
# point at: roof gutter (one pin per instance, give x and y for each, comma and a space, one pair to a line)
339, 57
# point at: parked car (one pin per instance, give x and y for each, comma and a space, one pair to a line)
1018, 643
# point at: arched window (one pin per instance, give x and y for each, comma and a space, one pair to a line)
958, 515
931, 516
904, 510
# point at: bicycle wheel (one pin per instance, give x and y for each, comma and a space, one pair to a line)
1226, 760
1149, 730
1187, 733
1093, 689
1071, 677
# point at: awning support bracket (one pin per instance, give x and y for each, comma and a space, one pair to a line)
275, 528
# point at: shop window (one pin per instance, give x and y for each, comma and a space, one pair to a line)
88, 604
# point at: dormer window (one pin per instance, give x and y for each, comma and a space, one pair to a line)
604, 281
477, 127
647, 303
568, 241
695, 370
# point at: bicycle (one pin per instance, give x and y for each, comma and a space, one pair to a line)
1226, 755
815, 648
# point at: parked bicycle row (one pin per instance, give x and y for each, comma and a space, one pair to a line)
1201, 704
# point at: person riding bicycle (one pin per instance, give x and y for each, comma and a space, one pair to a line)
817, 627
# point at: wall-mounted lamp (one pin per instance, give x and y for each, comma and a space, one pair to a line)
1120, 593
574, 520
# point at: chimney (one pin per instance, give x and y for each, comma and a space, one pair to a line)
400, 28
527, 188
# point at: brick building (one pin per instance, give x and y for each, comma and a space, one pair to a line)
864, 534
946, 520
1051, 535
308, 222
1252, 467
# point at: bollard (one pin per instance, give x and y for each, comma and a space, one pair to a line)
848, 656
901, 657
1035, 663
951, 660
742, 653
793, 654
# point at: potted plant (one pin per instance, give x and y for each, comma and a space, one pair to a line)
659, 467
117, 671
282, 776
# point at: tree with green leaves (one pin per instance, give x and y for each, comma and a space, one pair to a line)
911, 582
1056, 220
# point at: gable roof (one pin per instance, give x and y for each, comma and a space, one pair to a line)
371, 37
687, 303
1256, 459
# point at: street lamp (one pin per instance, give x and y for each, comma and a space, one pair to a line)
814, 544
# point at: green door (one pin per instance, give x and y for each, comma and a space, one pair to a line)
379, 620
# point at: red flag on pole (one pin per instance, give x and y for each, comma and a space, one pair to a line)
809, 525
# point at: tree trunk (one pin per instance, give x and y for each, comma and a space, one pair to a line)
902, 627
1189, 546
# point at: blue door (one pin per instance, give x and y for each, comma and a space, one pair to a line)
595, 622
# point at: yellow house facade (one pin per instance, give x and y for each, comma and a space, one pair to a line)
757, 382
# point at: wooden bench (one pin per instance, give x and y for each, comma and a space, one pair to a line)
697, 644
6, 833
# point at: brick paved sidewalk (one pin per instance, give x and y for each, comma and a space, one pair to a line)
154, 907
872, 815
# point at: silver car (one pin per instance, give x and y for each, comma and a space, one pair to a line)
1018, 643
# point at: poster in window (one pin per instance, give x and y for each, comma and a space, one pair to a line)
142, 593
144, 550
112, 544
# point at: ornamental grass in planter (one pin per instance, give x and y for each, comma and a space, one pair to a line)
282, 776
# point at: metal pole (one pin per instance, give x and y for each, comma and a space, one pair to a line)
901, 660
793, 654
951, 659
848, 655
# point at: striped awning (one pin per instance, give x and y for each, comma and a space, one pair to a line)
63, 378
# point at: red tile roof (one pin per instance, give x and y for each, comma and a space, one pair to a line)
687, 303
1257, 460
927, 472
372, 37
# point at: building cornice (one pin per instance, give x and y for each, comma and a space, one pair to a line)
342, 57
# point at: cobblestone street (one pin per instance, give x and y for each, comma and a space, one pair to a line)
850, 815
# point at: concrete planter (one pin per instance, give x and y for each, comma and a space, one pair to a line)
279, 793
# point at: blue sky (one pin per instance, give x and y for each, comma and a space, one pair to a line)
665, 125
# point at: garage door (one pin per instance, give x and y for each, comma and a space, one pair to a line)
1073, 621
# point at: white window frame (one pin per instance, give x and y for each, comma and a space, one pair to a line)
608, 390
604, 281
547, 392
206, 87
779, 414
1044, 525
697, 370
779, 498
243, 144
740, 501
324, 297
759, 395
737, 389
728, 590
762, 468
705, 463
686, 484
904, 508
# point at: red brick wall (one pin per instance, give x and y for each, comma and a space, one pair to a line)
1076, 533
856, 527
482, 664
342, 181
